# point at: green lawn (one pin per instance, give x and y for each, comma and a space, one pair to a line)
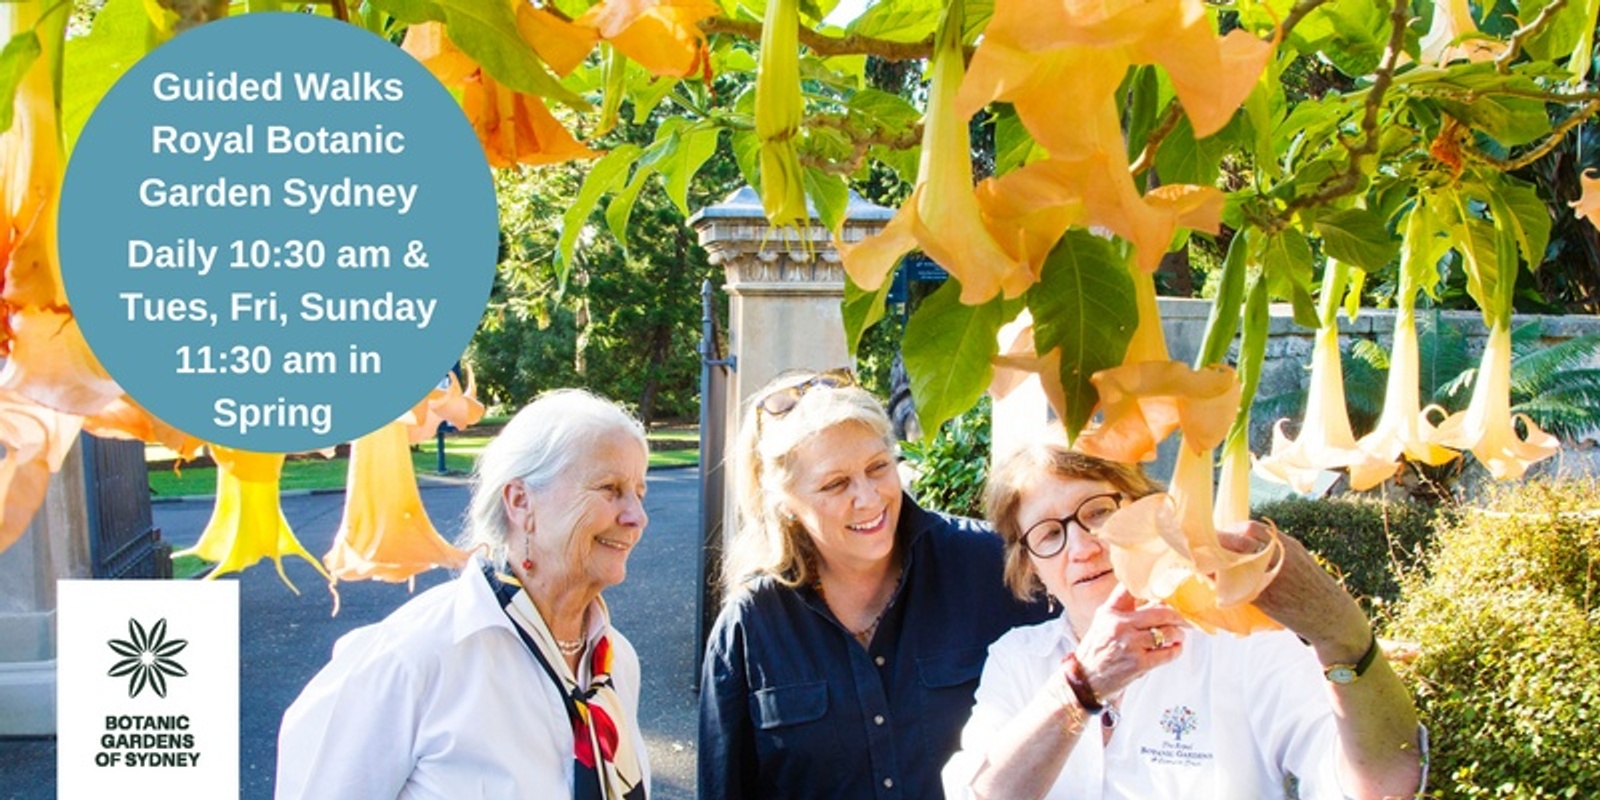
329, 473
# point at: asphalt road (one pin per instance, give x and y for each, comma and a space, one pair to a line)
286, 637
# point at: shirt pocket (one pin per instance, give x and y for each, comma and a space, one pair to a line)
781, 706
948, 681
794, 737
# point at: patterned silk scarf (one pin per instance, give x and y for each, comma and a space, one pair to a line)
605, 766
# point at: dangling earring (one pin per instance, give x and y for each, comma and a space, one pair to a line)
1050, 601
527, 547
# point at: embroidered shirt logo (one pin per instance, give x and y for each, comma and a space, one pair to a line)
1178, 721
147, 658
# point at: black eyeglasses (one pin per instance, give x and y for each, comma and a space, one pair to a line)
1047, 538
783, 400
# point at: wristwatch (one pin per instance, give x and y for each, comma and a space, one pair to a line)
1346, 674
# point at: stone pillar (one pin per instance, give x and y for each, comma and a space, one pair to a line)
55, 545
785, 288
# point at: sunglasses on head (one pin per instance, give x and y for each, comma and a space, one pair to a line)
783, 400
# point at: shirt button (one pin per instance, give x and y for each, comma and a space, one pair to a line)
888, 783
878, 661
877, 720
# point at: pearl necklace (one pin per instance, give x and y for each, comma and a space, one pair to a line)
569, 648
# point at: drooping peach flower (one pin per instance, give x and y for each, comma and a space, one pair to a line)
1165, 547
1454, 36
386, 533
124, 418
1149, 396
35, 441
247, 523
1060, 65
517, 128
449, 403
1587, 205
1325, 441
663, 36
1403, 428
1486, 426
942, 215
561, 44
514, 128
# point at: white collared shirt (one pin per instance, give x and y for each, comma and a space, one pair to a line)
1230, 718
440, 700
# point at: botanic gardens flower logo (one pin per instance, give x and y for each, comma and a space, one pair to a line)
147, 658
1178, 721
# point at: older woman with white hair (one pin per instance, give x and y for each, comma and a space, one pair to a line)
850, 643
508, 681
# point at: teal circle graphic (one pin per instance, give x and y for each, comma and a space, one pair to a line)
278, 232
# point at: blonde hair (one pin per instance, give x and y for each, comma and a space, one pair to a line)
765, 542
1016, 472
540, 443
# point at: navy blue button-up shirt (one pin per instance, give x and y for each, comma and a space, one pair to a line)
791, 705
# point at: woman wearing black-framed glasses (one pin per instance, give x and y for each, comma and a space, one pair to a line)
1120, 700
855, 624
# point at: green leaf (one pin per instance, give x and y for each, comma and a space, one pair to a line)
15, 58
411, 12
621, 206
1475, 239
1508, 120
121, 36
829, 196
899, 21
746, 153
694, 148
1350, 34
1224, 319
1558, 38
948, 349
1421, 251
1183, 159
606, 174
1083, 304
1286, 261
1013, 145
646, 95
884, 111
487, 32
1357, 236
1143, 86
862, 309
1516, 204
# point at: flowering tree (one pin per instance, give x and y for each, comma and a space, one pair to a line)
1122, 130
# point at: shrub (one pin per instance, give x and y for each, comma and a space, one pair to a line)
952, 466
1364, 541
1507, 615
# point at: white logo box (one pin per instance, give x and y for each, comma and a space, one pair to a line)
166, 724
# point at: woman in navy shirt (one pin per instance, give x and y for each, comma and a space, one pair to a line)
854, 630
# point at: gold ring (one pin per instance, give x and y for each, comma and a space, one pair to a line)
1157, 639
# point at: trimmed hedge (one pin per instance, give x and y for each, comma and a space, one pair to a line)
1507, 613
1363, 541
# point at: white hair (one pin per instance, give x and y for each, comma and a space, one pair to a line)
540, 443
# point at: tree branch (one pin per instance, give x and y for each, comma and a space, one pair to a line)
1169, 120
849, 45
1296, 14
1502, 64
1346, 181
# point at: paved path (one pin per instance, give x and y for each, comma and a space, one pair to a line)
286, 638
